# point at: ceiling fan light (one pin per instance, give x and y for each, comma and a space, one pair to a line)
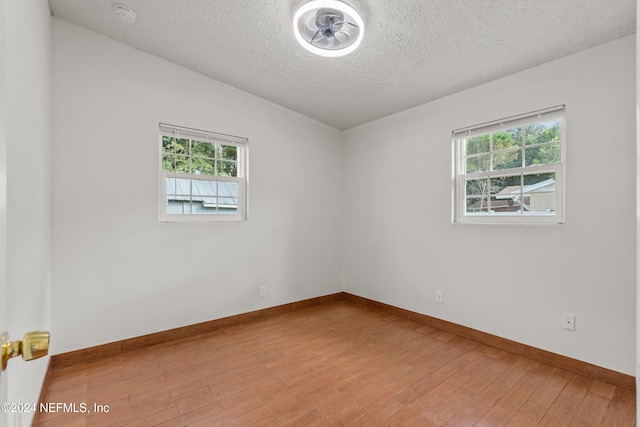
328, 27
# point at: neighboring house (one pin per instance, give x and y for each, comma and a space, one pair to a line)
207, 196
538, 198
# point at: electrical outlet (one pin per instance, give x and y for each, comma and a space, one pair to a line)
568, 322
263, 291
439, 297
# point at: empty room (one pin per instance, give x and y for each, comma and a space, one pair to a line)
318, 212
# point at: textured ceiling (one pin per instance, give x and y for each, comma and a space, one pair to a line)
414, 51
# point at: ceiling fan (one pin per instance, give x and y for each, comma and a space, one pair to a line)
328, 27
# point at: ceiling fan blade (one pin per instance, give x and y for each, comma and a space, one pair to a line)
315, 36
313, 25
337, 26
324, 42
342, 36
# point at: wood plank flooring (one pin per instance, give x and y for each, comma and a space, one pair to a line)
336, 364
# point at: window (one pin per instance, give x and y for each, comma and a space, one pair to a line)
511, 171
203, 175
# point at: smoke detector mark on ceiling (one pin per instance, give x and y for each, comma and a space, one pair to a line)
124, 13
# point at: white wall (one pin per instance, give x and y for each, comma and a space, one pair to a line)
400, 245
28, 89
117, 272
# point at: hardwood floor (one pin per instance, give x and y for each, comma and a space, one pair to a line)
336, 364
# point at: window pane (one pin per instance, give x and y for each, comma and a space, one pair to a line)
510, 138
477, 187
477, 164
542, 155
471, 165
227, 206
477, 205
505, 205
227, 168
478, 144
170, 186
505, 184
203, 166
506, 193
203, 149
507, 199
507, 159
228, 152
203, 188
228, 189
168, 162
542, 132
175, 163
178, 189
201, 208
166, 144
536, 178
182, 188
508, 182
539, 194
177, 207
175, 145
204, 191
178, 197
182, 164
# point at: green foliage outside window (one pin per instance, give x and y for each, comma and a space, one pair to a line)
503, 150
197, 157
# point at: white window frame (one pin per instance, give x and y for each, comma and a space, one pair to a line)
241, 179
460, 176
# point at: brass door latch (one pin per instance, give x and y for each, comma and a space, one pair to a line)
34, 345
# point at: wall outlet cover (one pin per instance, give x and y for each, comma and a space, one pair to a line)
568, 322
